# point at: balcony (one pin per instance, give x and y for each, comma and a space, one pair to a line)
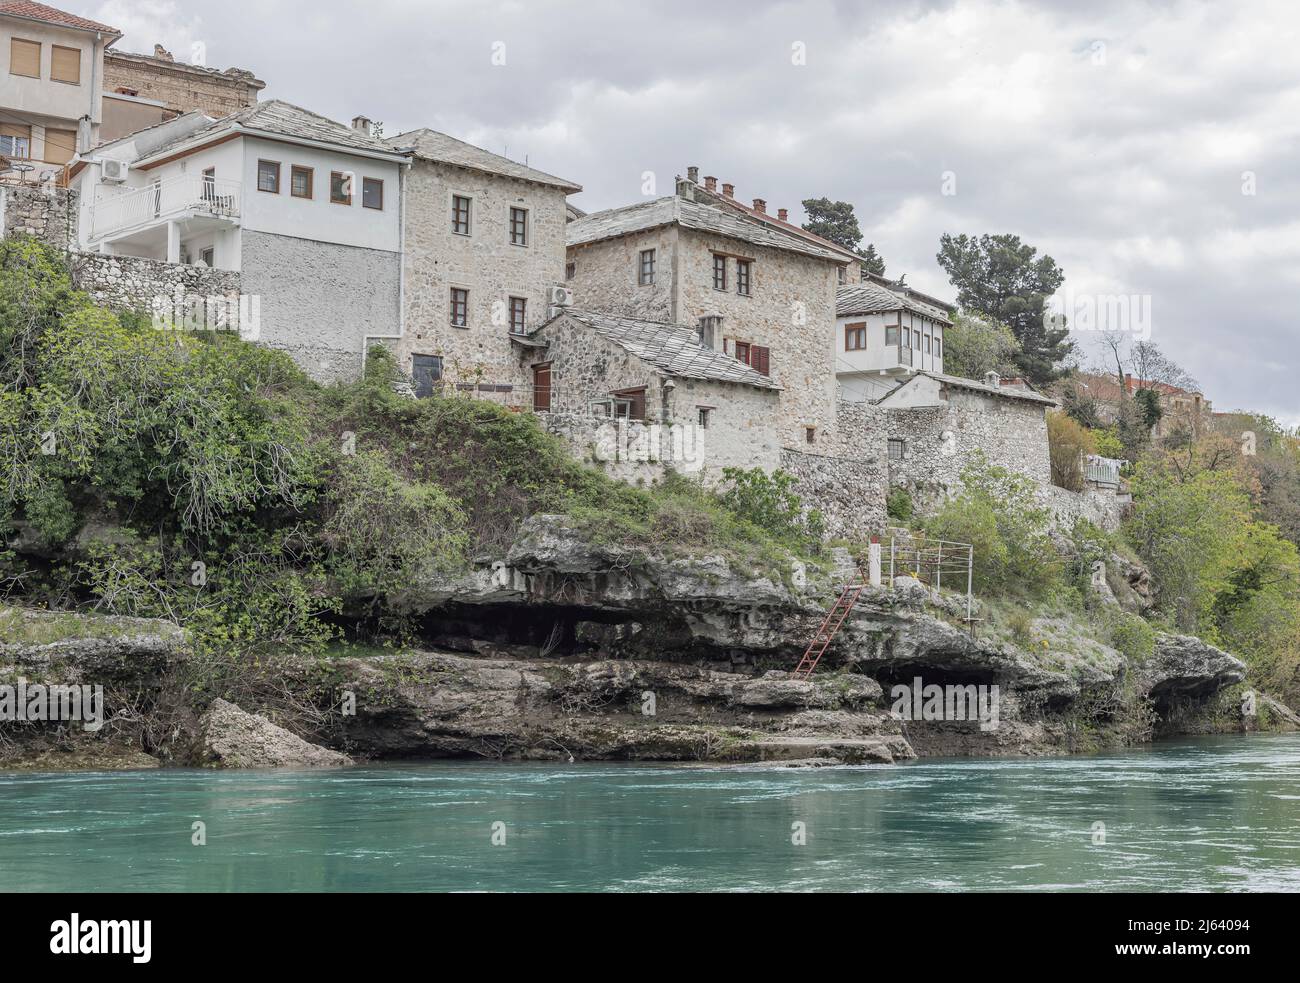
208, 200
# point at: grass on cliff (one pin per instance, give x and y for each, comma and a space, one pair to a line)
198, 478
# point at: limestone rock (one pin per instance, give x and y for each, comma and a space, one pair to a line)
232, 738
1184, 666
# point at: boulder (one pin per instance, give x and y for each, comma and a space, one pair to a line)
1185, 666
232, 738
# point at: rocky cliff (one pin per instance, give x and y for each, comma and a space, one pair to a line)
567, 649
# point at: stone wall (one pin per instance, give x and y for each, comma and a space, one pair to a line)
485, 263
606, 275
1101, 508
320, 300
849, 492
130, 283
183, 87
43, 211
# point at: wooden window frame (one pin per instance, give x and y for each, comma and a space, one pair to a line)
64, 47
339, 201
857, 331
719, 272
570, 270
463, 323
523, 314
372, 181
278, 165
523, 241
39, 48
744, 279
897, 335
455, 214
311, 181
646, 268
636, 398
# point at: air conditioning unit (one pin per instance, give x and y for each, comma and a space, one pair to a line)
114, 170
561, 297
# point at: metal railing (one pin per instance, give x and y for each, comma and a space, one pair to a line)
164, 199
930, 561
1102, 470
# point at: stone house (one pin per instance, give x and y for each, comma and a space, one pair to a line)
484, 256
750, 290
1182, 410
51, 100
305, 209
629, 391
143, 90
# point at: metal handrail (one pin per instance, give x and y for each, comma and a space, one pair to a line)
163, 199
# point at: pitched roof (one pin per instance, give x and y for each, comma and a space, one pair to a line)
49, 15
443, 149
672, 348
284, 118
674, 210
872, 298
1106, 387
1007, 392
769, 219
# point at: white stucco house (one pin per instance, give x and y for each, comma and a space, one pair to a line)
306, 209
883, 336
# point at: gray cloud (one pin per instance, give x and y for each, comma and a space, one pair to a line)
1123, 161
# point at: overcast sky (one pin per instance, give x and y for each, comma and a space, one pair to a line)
1117, 137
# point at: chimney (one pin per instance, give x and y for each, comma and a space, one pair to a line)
363, 124
993, 379
760, 205
783, 214
710, 183
693, 175
729, 190
708, 329
162, 53
1128, 382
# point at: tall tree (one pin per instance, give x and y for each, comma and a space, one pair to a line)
1005, 279
835, 220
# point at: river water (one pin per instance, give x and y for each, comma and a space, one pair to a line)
1209, 814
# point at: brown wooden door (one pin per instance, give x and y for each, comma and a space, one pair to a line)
541, 388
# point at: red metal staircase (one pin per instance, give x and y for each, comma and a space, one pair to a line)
830, 626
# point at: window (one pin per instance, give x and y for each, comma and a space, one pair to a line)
632, 403
65, 64
855, 337
460, 215
907, 338
896, 449
459, 307
209, 257
25, 58
756, 357
647, 275
719, 272
300, 181
570, 270
60, 145
209, 183
841, 275
15, 140
268, 176
928, 343
372, 193
340, 188
518, 310
810, 435
891, 334
742, 277
938, 346
426, 371
702, 416
518, 226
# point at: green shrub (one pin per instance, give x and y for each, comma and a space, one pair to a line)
898, 504
1132, 637
770, 502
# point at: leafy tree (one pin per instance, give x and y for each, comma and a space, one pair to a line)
1067, 444
1002, 278
1148, 405
974, 346
835, 220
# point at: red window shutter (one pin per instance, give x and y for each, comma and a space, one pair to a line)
759, 358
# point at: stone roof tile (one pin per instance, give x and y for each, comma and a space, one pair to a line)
443, 149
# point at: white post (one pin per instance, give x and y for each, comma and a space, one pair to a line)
938, 570
873, 561
173, 242
893, 548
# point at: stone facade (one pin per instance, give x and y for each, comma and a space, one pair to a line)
605, 275
44, 211
182, 87
587, 368
849, 492
484, 262
319, 300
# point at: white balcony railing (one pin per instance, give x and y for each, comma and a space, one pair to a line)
143, 207
1102, 470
